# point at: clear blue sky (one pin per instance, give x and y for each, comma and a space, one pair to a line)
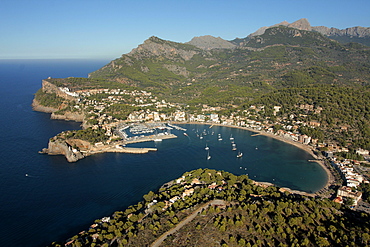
108, 28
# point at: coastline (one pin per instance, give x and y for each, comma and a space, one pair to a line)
330, 178
310, 150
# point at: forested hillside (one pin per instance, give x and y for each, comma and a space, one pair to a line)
245, 214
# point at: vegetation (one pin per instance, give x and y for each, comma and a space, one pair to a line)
91, 135
119, 111
333, 107
48, 99
248, 215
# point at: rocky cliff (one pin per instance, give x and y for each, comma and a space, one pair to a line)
360, 32
48, 87
61, 147
36, 106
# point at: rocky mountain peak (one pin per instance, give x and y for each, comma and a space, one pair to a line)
301, 24
207, 42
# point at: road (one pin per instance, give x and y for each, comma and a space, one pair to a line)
185, 221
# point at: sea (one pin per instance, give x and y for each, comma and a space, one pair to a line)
45, 198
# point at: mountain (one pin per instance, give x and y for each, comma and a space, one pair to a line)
189, 72
210, 42
353, 34
275, 68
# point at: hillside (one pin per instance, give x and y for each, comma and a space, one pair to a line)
217, 208
185, 72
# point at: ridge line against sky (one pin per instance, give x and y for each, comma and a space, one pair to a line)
96, 29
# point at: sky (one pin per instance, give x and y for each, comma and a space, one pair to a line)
106, 29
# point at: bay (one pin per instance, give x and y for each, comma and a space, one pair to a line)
58, 199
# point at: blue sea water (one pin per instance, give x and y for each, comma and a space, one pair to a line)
57, 199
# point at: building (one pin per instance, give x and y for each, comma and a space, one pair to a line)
346, 191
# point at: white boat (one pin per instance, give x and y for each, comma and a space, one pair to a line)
206, 148
208, 156
231, 137
157, 140
239, 155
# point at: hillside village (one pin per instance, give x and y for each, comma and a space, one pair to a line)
96, 104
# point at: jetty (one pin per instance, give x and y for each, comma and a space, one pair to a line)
118, 149
149, 138
256, 134
176, 127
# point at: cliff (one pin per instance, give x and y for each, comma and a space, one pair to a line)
76, 149
51, 99
50, 88
69, 116
36, 106
61, 147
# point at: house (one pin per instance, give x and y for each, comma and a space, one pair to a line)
346, 191
314, 123
187, 192
173, 199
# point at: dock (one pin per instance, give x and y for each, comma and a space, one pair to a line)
256, 134
119, 149
176, 127
147, 138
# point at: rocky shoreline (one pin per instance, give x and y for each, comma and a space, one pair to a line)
36, 106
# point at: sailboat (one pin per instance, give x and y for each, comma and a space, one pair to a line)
206, 148
208, 156
239, 155
234, 147
231, 137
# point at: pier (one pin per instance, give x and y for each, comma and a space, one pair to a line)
119, 149
176, 127
137, 139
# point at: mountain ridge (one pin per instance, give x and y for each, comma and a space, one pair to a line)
334, 33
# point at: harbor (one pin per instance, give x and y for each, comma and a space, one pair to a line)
143, 132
